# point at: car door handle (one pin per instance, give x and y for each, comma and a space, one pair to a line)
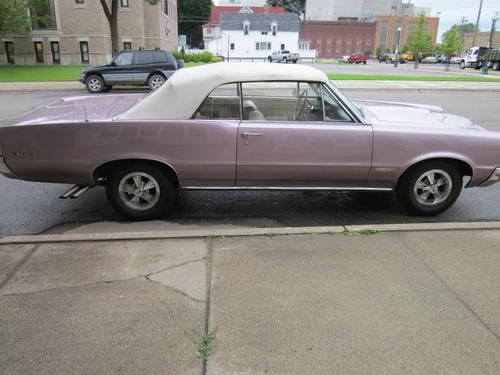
246, 135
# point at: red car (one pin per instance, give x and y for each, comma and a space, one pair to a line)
357, 58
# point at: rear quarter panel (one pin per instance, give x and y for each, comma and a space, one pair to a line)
201, 152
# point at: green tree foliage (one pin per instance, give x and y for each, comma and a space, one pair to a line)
14, 18
419, 39
451, 42
465, 28
291, 6
192, 15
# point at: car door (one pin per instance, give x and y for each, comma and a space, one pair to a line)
142, 66
291, 136
119, 71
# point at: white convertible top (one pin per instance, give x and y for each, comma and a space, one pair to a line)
182, 94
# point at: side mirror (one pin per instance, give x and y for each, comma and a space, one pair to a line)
180, 63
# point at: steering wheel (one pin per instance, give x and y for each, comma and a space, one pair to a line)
301, 104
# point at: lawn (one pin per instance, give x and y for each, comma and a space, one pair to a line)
44, 73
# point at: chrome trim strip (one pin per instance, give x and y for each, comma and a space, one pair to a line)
282, 188
5, 170
494, 178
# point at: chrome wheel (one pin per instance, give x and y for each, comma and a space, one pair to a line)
433, 187
156, 81
139, 191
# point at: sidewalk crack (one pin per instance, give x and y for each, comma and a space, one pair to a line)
175, 266
18, 265
146, 277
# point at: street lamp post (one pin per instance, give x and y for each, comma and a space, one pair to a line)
396, 57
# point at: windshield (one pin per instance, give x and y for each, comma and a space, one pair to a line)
353, 107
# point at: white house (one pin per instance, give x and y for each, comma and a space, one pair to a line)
250, 36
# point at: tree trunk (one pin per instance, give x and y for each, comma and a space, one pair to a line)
112, 17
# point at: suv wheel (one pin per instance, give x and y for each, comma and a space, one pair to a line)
155, 81
94, 84
270, 59
462, 64
285, 60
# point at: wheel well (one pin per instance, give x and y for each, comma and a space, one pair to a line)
464, 168
102, 172
156, 72
94, 74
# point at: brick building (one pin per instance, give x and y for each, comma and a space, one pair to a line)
333, 39
77, 32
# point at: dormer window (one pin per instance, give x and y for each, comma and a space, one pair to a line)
246, 27
274, 28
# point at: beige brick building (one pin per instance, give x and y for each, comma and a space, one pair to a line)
77, 32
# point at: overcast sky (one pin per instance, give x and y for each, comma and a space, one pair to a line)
453, 10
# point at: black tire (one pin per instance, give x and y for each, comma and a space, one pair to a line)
411, 196
162, 193
95, 84
285, 60
462, 64
496, 65
270, 59
364, 62
155, 81
294, 61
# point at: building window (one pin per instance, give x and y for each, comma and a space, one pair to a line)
246, 28
348, 42
263, 46
274, 29
43, 16
84, 52
124, 3
56, 55
9, 50
368, 43
264, 33
328, 41
39, 52
232, 46
79, 1
383, 35
209, 30
319, 41
165, 7
127, 45
282, 47
339, 41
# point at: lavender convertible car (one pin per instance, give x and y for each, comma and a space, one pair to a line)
249, 126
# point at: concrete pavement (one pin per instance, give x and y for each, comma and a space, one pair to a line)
399, 301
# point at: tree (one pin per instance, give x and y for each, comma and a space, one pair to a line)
419, 40
15, 19
112, 17
465, 28
192, 15
451, 43
291, 6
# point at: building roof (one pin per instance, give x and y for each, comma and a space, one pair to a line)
182, 94
216, 11
260, 22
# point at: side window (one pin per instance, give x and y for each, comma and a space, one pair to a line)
144, 57
282, 101
223, 103
333, 109
124, 58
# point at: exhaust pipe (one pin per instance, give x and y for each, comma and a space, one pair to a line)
75, 192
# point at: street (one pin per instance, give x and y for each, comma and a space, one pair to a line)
29, 207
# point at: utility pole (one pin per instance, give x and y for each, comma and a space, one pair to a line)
462, 22
484, 70
477, 22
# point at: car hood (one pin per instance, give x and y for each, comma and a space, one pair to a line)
93, 68
412, 114
82, 109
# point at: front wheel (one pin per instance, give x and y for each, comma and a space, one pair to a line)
462, 64
155, 81
140, 191
430, 188
270, 59
285, 60
496, 66
94, 84
294, 61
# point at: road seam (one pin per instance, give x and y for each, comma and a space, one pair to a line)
18, 265
209, 244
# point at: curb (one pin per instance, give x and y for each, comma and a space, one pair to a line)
246, 232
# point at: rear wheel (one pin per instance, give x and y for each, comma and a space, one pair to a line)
285, 60
294, 61
95, 84
462, 64
496, 66
140, 191
270, 59
155, 81
430, 188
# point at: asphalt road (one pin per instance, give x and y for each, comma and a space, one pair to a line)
28, 207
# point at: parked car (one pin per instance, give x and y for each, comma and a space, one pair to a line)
131, 67
407, 56
249, 126
386, 58
456, 59
429, 60
357, 58
284, 56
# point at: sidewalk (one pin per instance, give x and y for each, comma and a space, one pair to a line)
341, 84
332, 300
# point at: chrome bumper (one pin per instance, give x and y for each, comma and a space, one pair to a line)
4, 169
495, 177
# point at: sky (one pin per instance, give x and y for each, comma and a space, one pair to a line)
453, 10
